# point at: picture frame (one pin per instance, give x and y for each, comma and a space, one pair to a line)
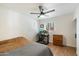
41, 25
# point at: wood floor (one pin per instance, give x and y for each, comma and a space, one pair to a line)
8, 45
62, 51
11, 44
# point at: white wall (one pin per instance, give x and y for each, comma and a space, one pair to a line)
14, 24
29, 26
63, 25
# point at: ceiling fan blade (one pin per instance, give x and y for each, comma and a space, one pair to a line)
49, 11
34, 13
41, 8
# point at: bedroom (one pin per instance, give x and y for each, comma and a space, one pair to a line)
16, 21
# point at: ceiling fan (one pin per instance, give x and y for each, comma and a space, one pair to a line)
42, 11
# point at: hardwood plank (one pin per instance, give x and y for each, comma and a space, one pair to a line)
10, 44
62, 50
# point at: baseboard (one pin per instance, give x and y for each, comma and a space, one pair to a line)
69, 46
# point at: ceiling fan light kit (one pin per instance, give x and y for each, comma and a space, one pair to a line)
42, 11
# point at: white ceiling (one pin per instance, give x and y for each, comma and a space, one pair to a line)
60, 8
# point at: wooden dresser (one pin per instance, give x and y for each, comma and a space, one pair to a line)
58, 40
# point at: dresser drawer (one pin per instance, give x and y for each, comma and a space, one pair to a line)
58, 40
